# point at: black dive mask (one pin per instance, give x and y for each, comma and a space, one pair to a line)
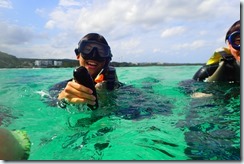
93, 55
92, 50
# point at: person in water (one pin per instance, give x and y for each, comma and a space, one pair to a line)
94, 54
224, 64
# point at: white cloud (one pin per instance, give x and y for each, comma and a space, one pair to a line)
216, 7
41, 12
67, 3
136, 30
13, 34
6, 4
50, 24
173, 31
104, 16
191, 46
155, 50
62, 19
131, 46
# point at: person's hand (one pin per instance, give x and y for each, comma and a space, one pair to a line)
76, 93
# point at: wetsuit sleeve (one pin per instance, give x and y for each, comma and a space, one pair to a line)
230, 68
209, 68
205, 71
54, 92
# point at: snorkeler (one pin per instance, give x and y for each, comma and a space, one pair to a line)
224, 65
93, 54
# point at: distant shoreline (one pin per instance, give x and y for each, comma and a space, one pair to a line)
10, 61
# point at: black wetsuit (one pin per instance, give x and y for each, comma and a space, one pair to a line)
231, 69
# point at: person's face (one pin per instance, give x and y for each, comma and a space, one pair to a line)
93, 66
233, 41
234, 52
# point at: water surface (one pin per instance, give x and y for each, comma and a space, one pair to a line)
152, 117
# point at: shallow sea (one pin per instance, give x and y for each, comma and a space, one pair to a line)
152, 117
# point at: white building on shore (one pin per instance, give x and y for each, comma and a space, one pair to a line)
47, 63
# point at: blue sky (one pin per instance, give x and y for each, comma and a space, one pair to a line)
175, 31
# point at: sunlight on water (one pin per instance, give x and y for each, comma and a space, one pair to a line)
152, 117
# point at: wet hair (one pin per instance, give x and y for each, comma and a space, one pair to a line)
95, 37
235, 27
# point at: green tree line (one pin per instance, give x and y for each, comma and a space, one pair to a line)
11, 61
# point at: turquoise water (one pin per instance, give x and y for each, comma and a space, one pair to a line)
152, 117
